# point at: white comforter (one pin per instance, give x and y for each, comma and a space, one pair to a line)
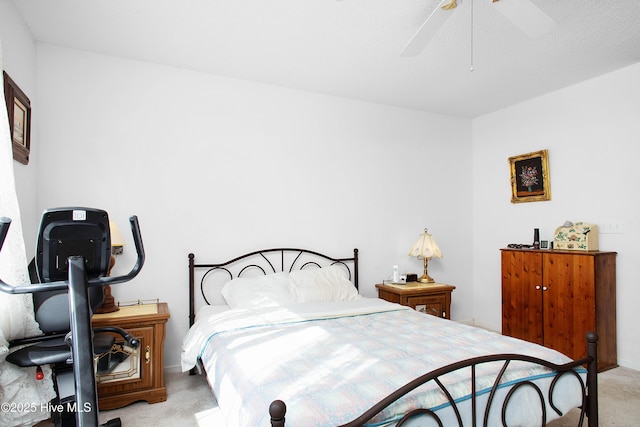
331, 361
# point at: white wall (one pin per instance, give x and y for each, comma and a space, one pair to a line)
592, 133
206, 161
220, 167
19, 61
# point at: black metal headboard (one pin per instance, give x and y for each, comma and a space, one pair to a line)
266, 261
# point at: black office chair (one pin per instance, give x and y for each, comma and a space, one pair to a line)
71, 264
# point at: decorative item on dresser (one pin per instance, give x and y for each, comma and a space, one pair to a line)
141, 374
430, 298
554, 297
581, 236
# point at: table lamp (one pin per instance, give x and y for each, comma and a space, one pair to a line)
426, 248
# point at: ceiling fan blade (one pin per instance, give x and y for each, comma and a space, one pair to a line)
429, 28
526, 16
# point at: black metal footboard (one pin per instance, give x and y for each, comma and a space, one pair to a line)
589, 407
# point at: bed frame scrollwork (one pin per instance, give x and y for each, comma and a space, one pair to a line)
589, 407
265, 261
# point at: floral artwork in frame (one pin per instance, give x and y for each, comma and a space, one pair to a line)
530, 177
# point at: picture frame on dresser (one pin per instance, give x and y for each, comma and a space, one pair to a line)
530, 177
19, 112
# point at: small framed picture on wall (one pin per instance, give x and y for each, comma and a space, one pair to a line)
19, 112
530, 177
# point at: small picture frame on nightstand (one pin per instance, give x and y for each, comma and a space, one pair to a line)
544, 244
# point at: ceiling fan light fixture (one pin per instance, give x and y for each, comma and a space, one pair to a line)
451, 4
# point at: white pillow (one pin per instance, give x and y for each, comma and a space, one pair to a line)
325, 284
261, 291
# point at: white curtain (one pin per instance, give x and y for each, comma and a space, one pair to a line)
22, 397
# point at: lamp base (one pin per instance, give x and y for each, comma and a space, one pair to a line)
425, 278
108, 304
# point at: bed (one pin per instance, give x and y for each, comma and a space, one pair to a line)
283, 335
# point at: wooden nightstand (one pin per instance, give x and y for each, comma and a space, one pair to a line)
141, 375
430, 298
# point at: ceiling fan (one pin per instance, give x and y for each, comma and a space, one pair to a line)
523, 13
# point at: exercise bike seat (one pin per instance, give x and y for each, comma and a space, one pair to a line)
56, 350
51, 310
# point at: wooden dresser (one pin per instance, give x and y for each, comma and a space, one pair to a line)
554, 297
430, 298
141, 375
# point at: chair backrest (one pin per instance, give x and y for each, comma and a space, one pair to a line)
66, 232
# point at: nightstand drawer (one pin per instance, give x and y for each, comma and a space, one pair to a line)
435, 305
430, 298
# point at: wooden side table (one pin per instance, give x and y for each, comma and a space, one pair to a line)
430, 298
141, 375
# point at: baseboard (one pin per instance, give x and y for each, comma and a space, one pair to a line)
629, 364
468, 322
173, 369
492, 328
472, 322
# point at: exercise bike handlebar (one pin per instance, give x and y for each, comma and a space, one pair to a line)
99, 281
137, 240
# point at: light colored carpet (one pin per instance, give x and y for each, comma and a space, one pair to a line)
618, 400
190, 403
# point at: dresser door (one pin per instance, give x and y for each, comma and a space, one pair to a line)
569, 302
522, 315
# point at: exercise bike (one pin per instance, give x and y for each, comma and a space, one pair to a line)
72, 262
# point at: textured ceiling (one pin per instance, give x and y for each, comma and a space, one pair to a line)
351, 48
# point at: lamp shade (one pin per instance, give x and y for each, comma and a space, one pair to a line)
116, 238
425, 247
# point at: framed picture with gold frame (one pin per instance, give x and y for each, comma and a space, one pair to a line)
19, 112
530, 177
